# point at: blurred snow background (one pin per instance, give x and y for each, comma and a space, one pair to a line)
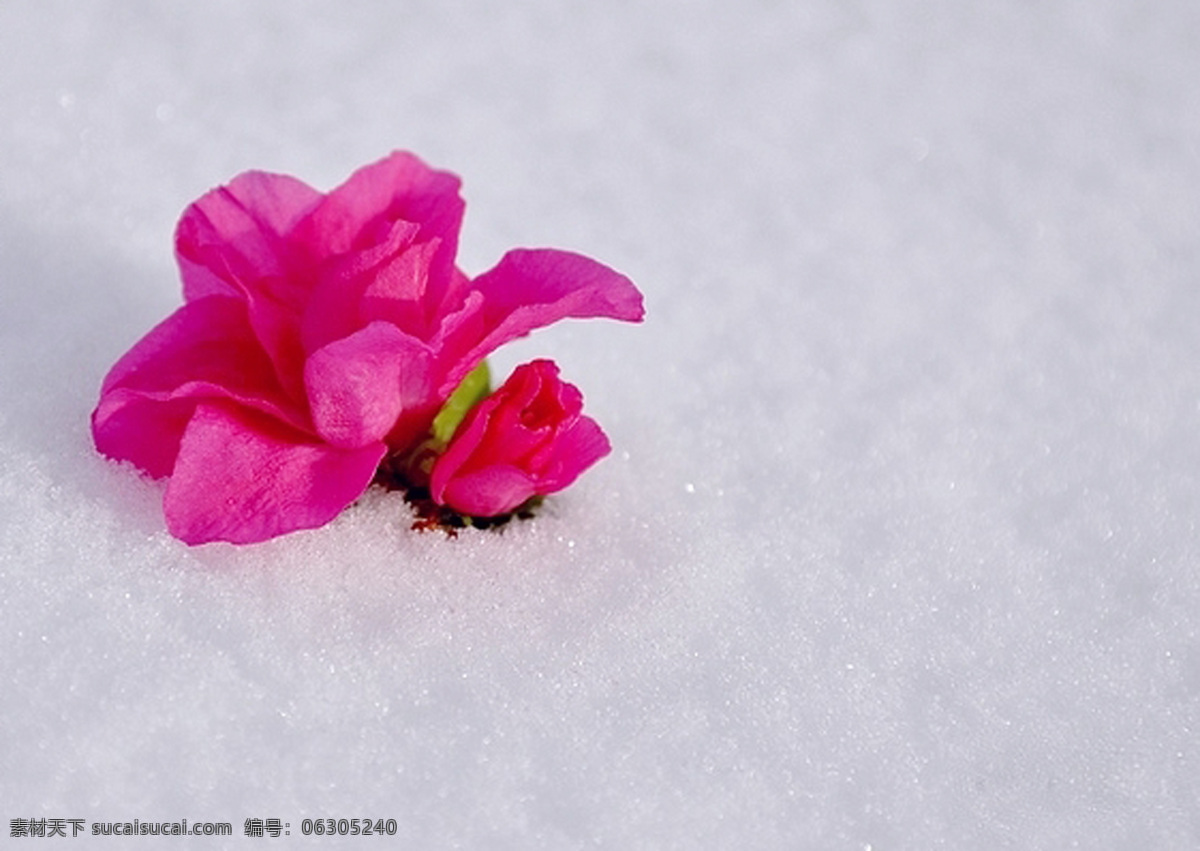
898, 544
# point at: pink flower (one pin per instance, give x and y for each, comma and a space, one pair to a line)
318, 333
528, 438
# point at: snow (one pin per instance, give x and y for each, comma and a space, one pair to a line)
897, 547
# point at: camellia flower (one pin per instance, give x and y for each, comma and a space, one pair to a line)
527, 439
319, 333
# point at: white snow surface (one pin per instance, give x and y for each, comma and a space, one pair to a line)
897, 547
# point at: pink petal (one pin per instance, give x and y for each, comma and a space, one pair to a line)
204, 350
234, 235
532, 288
336, 308
358, 386
235, 241
526, 438
570, 454
243, 478
397, 293
493, 490
532, 411
399, 186
208, 340
470, 434
128, 426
